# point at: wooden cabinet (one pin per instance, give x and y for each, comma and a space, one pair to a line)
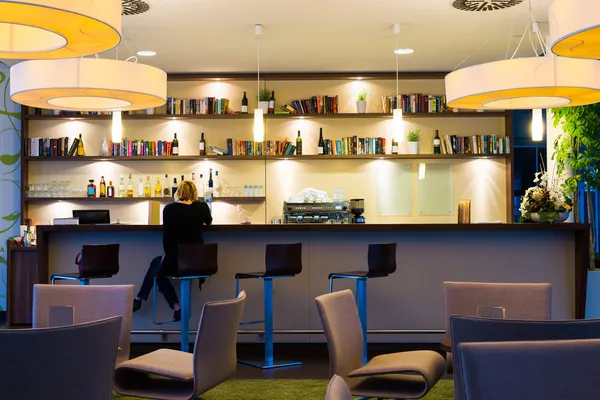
22, 274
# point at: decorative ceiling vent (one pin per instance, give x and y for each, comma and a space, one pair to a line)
134, 7
484, 5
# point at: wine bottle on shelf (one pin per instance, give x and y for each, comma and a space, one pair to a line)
299, 145
182, 179
158, 188
216, 185
102, 187
80, 149
437, 143
202, 146
194, 179
394, 147
175, 146
140, 190
130, 187
91, 189
210, 182
244, 106
272, 103
174, 187
122, 192
166, 190
148, 187
110, 190
201, 185
321, 143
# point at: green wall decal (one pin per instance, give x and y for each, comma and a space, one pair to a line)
10, 173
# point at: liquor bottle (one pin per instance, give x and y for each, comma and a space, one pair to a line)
129, 187
272, 103
174, 187
299, 145
140, 190
437, 143
216, 185
244, 105
110, 190
175, 146
91, 189
166, 190
158, 188
210, 182
201, 185
148, 188
182, 179
80, 149
321, 142
394, 147
122, 192
202, 145
194, 179
102, 187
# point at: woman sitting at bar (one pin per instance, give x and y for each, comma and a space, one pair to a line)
183, 222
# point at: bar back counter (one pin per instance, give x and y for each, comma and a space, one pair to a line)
407, 306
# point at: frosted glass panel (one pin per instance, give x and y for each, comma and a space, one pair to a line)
436, 189
394, 189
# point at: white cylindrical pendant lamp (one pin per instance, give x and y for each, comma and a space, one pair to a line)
45, 29
575, 28
259, 126
525, 83
87, 84
537, 126
398, 125
117, 127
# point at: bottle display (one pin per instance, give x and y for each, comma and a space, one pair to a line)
437, 143
80, 149
244, 106
140, 189
394, 147
194, 179
272, 103
175, 146
299, 145
122, 192
148, 187
110, 190
130, 187
174, 187
216, 185
102, 187
166, 190
201, 185
91, 189
321, 143
202, 145
210, 182
158, 188
104, 147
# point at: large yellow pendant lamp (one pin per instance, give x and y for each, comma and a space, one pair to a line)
575, 28
87, 84
46, 29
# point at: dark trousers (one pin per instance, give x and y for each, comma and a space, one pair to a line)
164, 284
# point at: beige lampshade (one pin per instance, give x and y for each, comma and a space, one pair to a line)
525, 83
46, 29
87, 84
575, 28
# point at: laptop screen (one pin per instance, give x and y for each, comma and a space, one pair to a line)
87, 217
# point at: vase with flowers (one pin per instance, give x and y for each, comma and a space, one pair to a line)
547, 202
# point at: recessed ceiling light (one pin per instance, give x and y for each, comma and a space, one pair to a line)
146, 53
404, 51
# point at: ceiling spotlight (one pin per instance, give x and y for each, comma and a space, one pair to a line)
404, 51
146, 53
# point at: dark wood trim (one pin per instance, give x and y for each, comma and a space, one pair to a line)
510, 167
22, 272
582, 264
234, 200
24, 209
303, 76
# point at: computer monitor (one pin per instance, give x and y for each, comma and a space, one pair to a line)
87, 217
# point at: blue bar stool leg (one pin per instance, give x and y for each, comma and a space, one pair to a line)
52, 280
186, 288
84, 282
361, 297
154, 301
268, 288
331, 285
237, 287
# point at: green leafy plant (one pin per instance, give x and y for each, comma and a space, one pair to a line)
414, 136
362, 95
578, 151
264, 94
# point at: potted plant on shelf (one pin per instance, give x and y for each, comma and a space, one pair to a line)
361, 103
413, 141
263, 99
546, 202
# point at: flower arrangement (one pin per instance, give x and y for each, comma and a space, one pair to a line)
546, 200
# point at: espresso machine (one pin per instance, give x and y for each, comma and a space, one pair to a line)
357, 208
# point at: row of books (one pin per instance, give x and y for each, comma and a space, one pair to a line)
204, 105
477, 144
250, 148
414, 103
51, 147
133, 148
313, 105
355, 146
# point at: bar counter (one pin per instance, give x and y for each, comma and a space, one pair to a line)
407, 306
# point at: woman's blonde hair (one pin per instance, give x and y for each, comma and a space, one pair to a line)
187, 191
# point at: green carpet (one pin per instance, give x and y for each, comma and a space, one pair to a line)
277, 389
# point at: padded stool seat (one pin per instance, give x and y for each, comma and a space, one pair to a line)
98, 261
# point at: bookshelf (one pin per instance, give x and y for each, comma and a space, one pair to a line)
46, 200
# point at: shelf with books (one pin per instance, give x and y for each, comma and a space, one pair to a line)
391, 157
45, 200
143, 158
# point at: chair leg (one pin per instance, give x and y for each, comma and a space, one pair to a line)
237, 287
154, 301
268, 289
186, 289
361, 300
52, 279
84, 282
331, 285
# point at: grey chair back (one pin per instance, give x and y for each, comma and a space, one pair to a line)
337, 389
473, 329
67, 363
215, 355
343, 331
549, 370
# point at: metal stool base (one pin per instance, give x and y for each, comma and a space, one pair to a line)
271, 365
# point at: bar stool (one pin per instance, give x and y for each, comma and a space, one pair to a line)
194, 261
96, 261
381, 262
282, 261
